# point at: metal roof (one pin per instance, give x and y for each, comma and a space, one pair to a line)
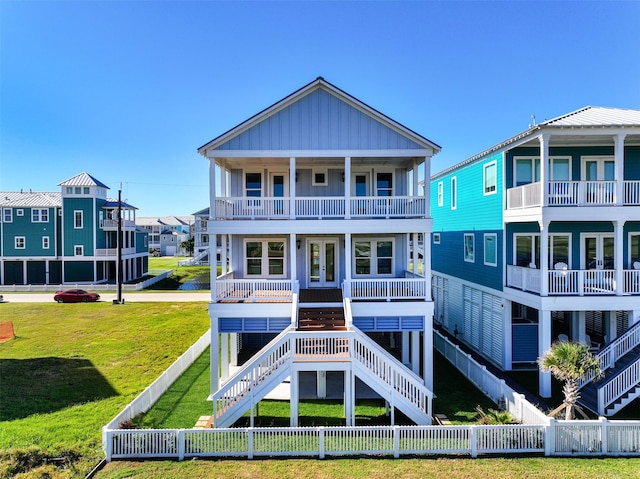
83, 179
113, 203
597, 116
589, 117
29, 199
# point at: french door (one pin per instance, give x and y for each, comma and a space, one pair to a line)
597, 251
322, 255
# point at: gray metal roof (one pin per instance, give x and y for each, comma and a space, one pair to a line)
597, 116
113, 203
83, 179
29, 199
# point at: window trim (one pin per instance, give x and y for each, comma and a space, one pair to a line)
76, 248
20, 242
46, 243
440, 193
75, 219
533, 237
485, 167
19, 212
319, 171
631, 259
472, 257
569, 252
454, 192
495, 246
244, 183
436, 238
264, 273
377, 190
373, 258
42, 215
7, 218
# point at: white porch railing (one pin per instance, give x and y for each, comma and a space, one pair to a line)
388, 289
574, 193
114, 251
572, 282
320, 207
253, 290
113, 224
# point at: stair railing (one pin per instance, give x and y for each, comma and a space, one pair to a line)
614, 351
273, 356
623, 382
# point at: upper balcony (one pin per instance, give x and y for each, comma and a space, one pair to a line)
321, 207
574, 193
112, 225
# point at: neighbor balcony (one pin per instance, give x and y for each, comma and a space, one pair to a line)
574, 193
228, 208
574, 282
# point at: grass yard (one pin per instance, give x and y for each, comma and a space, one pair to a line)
72, 368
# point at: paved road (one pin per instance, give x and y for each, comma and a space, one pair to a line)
129, 297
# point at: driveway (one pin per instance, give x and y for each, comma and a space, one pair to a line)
129, 297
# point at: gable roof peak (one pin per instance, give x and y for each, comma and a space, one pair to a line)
83, 179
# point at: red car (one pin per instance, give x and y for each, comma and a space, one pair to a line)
75, 296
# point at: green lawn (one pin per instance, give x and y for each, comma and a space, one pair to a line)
73, 367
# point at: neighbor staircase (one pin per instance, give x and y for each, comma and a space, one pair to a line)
321, 336
620, 362
196, 260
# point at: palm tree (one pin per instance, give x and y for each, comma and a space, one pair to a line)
569, 362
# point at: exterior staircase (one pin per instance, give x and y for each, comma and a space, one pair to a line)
620, 362
321, 319
196, 260
394, 382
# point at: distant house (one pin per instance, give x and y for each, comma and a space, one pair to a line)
318, 215
537, 240
157, 226
68, 237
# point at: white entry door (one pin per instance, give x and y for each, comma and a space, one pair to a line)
597, 251
322, 255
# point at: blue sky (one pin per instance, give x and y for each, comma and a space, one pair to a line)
128, 90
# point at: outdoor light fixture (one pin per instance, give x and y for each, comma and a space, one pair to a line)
298, 243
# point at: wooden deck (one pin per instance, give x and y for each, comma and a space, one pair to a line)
333, 295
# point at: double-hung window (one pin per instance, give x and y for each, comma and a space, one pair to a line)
490, 178
20, 242
45, 242
39, 215
440, 193
78, 250
7, 215
454, 193
77, 219
491, 249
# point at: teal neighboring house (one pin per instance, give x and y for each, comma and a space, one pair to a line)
537, 240
68, 237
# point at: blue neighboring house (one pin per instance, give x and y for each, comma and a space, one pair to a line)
537, 239
68, 237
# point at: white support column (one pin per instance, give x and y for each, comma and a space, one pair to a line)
618, 255
582, 327
213, 352
544, 257
427, 353
507, 321
224, 353
294, 381
293, 256
213, 264
223, 255
292, 188
610, 325
426, 173
544, 343
321, 379
347, 187
426, 261
212, 187
405, 347
234, 349
634, 317
544, 167
348, 403
347, 260
618, 152
415, 352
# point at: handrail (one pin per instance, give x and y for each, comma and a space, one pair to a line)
627, 379
615, 350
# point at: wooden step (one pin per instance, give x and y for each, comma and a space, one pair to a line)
321, 319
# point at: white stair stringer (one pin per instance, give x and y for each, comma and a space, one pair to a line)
391, 379
195, 260
251, 383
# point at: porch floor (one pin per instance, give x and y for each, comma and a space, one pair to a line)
332, 295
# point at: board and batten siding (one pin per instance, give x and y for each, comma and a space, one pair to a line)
83, 236
319, 121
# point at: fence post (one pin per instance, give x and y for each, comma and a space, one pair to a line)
107, 439
181, 445
473, 438
550, 438
321, 442
396, 441
604, 435
250, 442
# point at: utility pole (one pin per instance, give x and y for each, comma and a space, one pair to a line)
119, 248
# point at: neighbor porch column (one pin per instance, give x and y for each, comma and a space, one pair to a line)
224, 354
618, 152
234, 349
293, 256
427, 352
544, 167
544, 257
405, 347
426, 262
348, 274
610, 325
321, 378
415, 352
544, 343
426, 174
618, 256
